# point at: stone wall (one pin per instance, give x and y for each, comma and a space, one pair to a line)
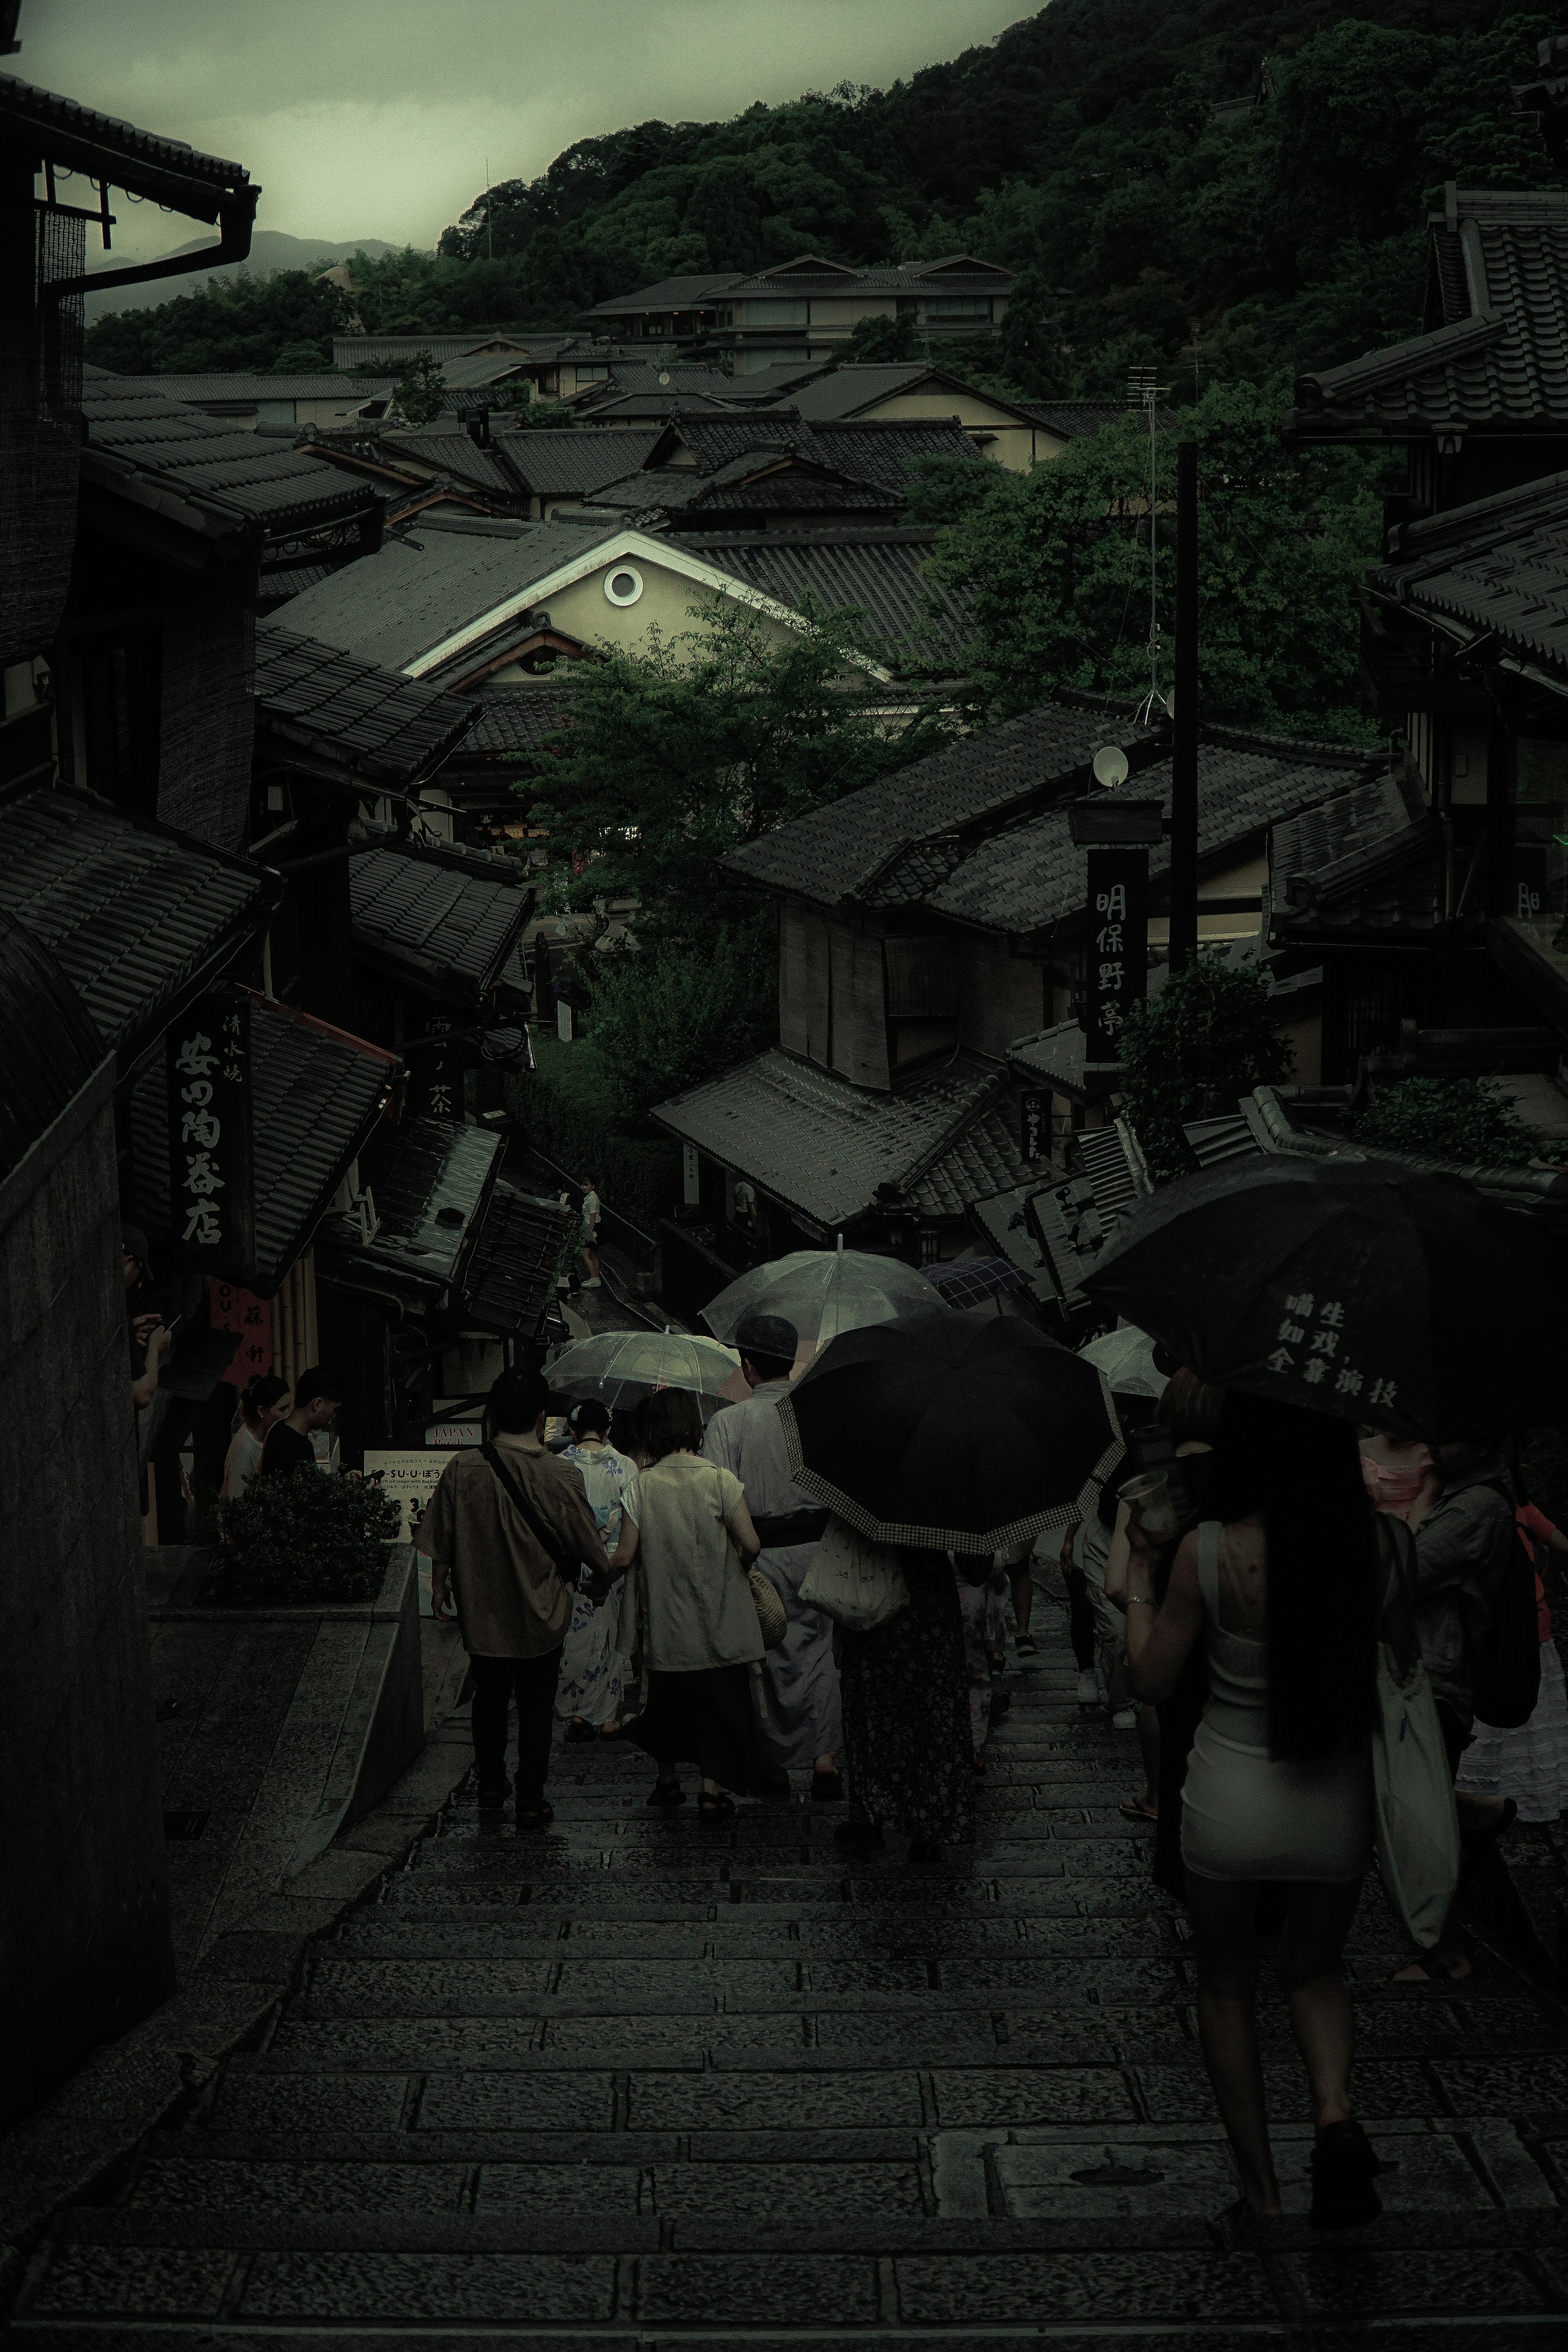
84, 1901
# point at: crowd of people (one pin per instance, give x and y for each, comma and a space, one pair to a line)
644, 1582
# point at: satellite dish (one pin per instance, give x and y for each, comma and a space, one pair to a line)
664, 379
1111, 766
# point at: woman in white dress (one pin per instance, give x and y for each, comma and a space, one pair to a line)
593, 1669
1282, 1587
262, 1400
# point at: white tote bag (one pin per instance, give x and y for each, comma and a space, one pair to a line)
1418, 1830
859, 1584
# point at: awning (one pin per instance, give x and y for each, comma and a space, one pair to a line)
432, 1184
512, 1276
443, 921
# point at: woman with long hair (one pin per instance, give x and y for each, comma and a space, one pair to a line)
262, 1401
1280, 1585
700, 1635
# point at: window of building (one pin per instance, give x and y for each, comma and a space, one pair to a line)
623, 585
957, 306
788, 313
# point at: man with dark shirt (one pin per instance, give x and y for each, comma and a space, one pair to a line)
317, 1396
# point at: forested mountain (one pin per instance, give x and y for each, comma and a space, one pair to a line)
1081, 148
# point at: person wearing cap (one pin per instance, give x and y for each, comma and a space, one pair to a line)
797, 1690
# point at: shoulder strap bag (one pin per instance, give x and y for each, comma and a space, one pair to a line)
858, 1583
567, 1566
1416, 1835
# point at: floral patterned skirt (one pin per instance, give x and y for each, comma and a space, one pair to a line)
593, 1671
908, 1747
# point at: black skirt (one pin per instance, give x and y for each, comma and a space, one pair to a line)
908, 1747
703, 1718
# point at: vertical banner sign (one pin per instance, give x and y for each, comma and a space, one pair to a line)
691, 1176
1034, 1126
1117, 969
438, 1063
212, 1185
230, 1309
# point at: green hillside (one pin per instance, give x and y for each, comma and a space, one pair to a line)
1080, 148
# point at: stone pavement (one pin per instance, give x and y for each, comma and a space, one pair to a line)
645, 2083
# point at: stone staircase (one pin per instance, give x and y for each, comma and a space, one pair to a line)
648, 2082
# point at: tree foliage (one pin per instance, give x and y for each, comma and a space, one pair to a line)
1057, 565
242, 323
1081, 148
418, 389
663, 1022
679, 749
1191, 1051
1447, 1118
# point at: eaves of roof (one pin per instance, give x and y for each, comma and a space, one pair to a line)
140, 918
436, 922
372, 724
198, 475
143, 162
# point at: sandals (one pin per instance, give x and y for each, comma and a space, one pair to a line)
535, 1817
1133, 1808
1344, 2165
1025, 1645
577, 1731
665, 1794
826, 1788
711, 1808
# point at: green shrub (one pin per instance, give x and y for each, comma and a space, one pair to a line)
302, 1535
1447, 1118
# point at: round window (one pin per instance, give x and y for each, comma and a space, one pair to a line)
623, 585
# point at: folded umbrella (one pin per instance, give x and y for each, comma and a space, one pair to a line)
620, 1367
950, 1435
1411, 1302
822, 1292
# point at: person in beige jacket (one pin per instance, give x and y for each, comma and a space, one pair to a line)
508, 1531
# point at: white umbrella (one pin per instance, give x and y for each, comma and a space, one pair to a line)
822, 1292
1126, 1357
619, 1367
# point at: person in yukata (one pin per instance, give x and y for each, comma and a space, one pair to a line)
797, 1691
592, 1666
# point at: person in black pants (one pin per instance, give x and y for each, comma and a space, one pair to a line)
510, 1534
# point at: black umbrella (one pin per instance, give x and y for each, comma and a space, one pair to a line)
950, 1435
1360, 1288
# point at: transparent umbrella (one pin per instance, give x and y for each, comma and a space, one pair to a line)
1126, 1357
822, 1292
620, 1367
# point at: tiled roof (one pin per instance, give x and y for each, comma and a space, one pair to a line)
1368, 860
1054, 1055
39, 121
770, 481
878, 570
49, 1046
1032, 877
888, 449
452, 454
985, 1158
516, 718
1495, 352
375, 722
439, 916
144, 445
424, 583
653, 408
432, 1184
837, 852
240, 385
671, 294
1003, 1219
829, 1149
317, 1097
670, 380
861, 386
139, 918
557, 463
378, 351
510, 1278
1498, 566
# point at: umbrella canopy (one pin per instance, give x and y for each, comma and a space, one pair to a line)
949, 1435
822, 1292
1358, 1288
1127, 1359
622, 1366
971, 1281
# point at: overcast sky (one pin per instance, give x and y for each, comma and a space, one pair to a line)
374, 118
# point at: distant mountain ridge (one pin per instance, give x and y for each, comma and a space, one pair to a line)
271, 249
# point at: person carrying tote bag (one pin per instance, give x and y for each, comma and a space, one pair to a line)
1417, 1832
858, 1583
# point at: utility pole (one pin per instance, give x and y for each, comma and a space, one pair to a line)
1184, 735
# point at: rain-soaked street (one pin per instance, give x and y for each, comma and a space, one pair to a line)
648, 2079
